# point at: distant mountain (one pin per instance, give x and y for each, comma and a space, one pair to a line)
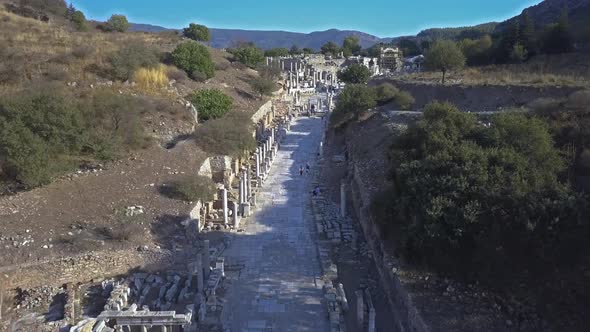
542, 14
221, 38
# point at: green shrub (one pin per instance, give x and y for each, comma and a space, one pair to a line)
355, 99
211, 103
385, 93
250, 56
263, 86
194, 188
79, 21
193, 57
128, 59
472, 195
197, 32
355, 74
231, 135
404, 100
117, 23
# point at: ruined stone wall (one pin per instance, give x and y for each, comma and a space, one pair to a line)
83, 268
262, 111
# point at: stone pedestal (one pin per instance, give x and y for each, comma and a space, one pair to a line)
343, 199
246, 209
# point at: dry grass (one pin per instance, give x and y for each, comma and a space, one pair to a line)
36, 47
151, 78
564, 70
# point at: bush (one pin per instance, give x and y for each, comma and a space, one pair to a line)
191, 56
177, 75
355, 99
211, 103
231, 135
385, 93
151, 78
83, 51
199, 76
117, 23
404, 100
127, 60
197, 32
472, 195
194, 188
355, 74
250, 56
79, 21
263, 86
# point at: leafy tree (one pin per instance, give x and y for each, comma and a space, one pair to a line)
375, 50
211, 103
519, 53
295, 50
277, 52
249, 56
557, 37
482, 194
330, 48
444, 55
355, 74
409, 47
351, 46
528, 37
117, 23
197, 32
308, 51
79, 21
263, 86
193, 57
355, 99
477, 52
128, 59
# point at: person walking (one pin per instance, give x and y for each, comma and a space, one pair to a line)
307, 168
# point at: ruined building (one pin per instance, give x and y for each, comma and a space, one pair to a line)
391, 59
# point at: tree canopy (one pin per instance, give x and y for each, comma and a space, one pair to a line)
211, 103
355, 74
250, 56
117, 23
351, 46
444, 55
330, 48
197, 32
193, 58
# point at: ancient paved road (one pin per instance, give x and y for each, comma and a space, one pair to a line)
279, 287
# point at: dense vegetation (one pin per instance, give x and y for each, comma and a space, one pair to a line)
211, 103
197, 32
358, 98
469, 194
354, 74
194, 59
230, 135
250, 56
193, 188
46, 131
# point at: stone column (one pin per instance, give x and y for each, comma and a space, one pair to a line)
360, 308
164, 328
236, 216
321, 149
343, 199
371, 320
248, 184
144, 328
257, 163
206, 261
241, 192
267, 163
225, 212
199, 272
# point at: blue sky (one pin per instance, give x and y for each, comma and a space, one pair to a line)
383, 18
